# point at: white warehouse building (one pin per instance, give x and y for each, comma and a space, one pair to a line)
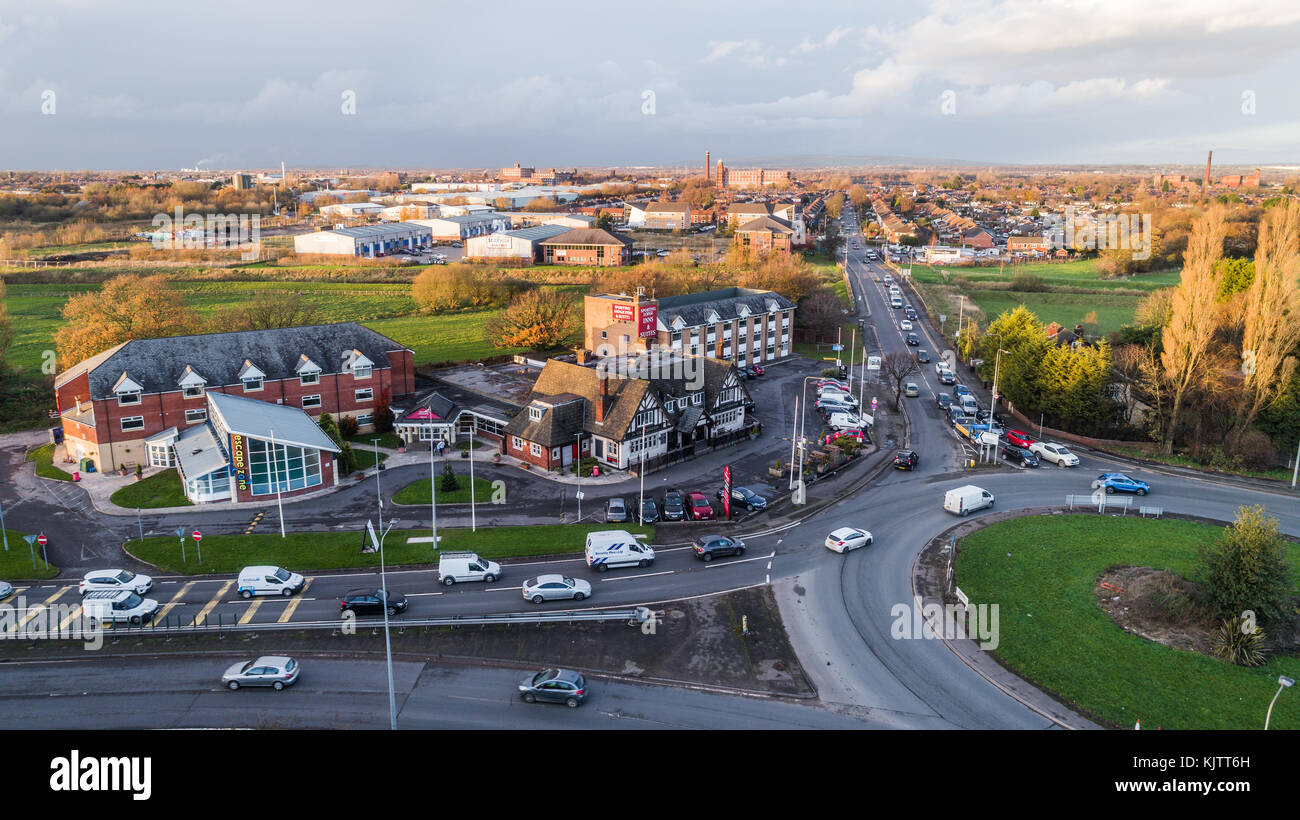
524, 243
453, 228
365, 240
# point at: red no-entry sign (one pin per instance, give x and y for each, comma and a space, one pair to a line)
41, 539
198, 536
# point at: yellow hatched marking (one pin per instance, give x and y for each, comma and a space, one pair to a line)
216, 599
252, 610
39, 608
170, 605
288, 611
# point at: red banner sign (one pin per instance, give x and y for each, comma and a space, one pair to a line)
648, 320
622, 312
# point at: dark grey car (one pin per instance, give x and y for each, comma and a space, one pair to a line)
554, 685
674, 508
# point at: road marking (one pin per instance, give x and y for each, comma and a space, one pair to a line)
421, 594
711, 564
216, 599
288, 611
252, 609
642, 575
17, 591
172, 603
32, 612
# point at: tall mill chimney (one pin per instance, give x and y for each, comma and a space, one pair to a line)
708, 171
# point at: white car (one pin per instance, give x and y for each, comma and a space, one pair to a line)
555, 587
1058, 454
939, 367
114, 579
848, 538
905, 325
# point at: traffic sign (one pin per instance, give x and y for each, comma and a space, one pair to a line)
873, 403
198, 536
41, 539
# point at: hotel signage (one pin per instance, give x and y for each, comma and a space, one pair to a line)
239, 462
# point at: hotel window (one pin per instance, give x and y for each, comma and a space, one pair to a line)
252, 385
287, 468
361, 372
133, 423
365, 419
516, 443
697, 399
535, 449
309, 378
364, 394
192, 392
131, 397
196, 415
310, 401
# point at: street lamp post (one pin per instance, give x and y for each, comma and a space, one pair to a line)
388, 643
379, 498
473, 516
993, 402
433, 495
1283, 683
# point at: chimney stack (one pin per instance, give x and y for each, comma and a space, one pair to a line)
602, 401
708, 171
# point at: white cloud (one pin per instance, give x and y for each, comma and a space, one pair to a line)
836, 34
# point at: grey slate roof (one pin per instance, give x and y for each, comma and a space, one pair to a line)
536, 233
768, 224
694, 307
263, 420
558, 426
158, 364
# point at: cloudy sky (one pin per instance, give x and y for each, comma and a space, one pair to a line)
439, 84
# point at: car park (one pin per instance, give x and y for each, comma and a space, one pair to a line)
454, 567
617, 548
555, 587
745, 497
698, 506
117, 606
114, 580
554, 686
674, 508
275, 671
1112, 482
717, 546
268, 580
617, 511
845, 539
1019, 455
906, 460
911, 390
1020, 438
1058, 454
371, 601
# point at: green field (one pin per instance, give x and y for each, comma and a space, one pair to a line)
164, 489
308, 551
417, 493
16, 562
1113, 312
44, 458
1042, 570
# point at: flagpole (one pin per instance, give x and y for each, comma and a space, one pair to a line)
275, 466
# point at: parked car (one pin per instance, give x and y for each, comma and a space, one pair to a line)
856, 434
114, 579
848, 538
6, 589
649, 512
1019, 455
370, 601
1058, 454
555, 587
617, 511
758, 370
906, 460
555, 686
275, 671
674, 505
911, 390
745, 497
718, 546
699, 506
1111, 482
1020, 438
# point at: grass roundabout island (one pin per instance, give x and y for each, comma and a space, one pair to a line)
1043, 572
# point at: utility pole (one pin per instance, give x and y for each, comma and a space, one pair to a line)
794, 440
433, 494
473, 515
379, 498
275, 462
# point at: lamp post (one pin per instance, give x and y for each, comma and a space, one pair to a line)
379, 498
388, 644
473, 516
993, 402
1283, 683
275, 466
433, 495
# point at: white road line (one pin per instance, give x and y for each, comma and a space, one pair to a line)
422, 594
711, 564
642, 575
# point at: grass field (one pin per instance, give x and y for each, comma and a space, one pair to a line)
1041, 571
44, 458
305, 552
16, 562
417, 492
163, 489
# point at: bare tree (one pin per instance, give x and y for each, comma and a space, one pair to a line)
1272, 316
1192, 311
895, 368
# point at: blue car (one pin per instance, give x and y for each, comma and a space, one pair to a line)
1111, 482
960, 390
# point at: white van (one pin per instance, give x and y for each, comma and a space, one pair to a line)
968, 404
466, 566
268, 580
896, 302
105, 606
844, 421
617, 548
965, 500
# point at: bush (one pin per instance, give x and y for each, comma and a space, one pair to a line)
1246, 569
1027, 283
587, 464
347, 426
1238, 644
448, 483
1256, 451
830, 372
383, 419
347, 459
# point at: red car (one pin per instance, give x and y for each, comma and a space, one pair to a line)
758, 370
699, 507
1020, 438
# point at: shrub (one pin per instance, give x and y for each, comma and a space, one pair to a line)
449, 483
347, 459
1256, 451
383, 418
1027, 283
587, 464
1246, 569
1239, 644
347, 426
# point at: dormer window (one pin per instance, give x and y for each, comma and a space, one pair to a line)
191, 383
251, 377
252, 384
128, 397
534, 414
361, 372
127, 390
357, 362
308, 371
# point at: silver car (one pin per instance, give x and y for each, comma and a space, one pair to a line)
554, 588
6, 589
275, 671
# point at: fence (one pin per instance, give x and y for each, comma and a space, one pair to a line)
1101, 501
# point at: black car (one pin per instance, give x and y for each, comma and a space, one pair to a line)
554, 685
718, 546
923, 356
746, 498
1019, 455
906, 460
944, 400
370, 601
649, 511
913, 339
674, 508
